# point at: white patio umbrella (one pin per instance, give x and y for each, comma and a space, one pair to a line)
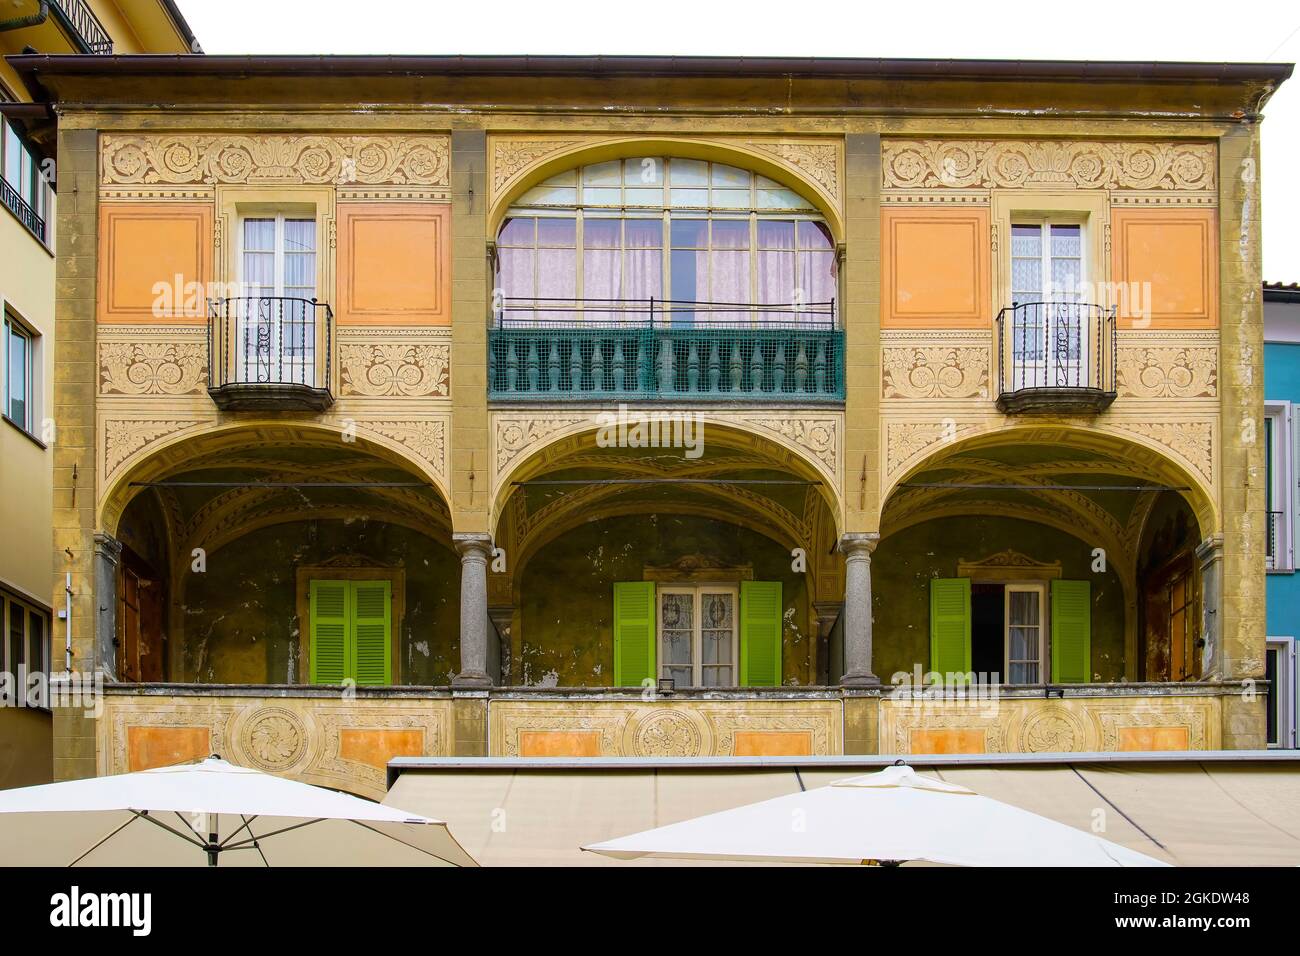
212, 812
893, 816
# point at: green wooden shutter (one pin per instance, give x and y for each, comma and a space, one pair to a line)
371, 649
950, 625
760, 633
329, 631
634, 633
1071, 632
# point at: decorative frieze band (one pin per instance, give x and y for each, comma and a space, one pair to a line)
395, 160
1082, 164
1165, 366
378, 369
153, 368
943, 364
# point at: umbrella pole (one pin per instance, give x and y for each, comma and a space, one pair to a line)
213, 846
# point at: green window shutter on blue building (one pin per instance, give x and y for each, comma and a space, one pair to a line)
950, 625
634, 633
760, 633
1071, 632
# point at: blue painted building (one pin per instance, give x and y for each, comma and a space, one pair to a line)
1281, 433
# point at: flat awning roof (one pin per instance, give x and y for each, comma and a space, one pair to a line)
1190, 809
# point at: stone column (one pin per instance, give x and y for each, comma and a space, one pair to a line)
828, 612
502, 617
108, 553
475, 550
1209, 554
857, 548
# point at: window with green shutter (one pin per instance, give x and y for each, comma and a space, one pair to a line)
760, 633
1071, 632
950, 625
634, 633
351, 632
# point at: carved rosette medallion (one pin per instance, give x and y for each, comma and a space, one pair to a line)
1009, 164
667, 734
1052, 730
273, 739
232, 159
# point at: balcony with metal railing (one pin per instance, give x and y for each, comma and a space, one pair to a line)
17, 205
674, 350
270, 353
1056, 357
77, 17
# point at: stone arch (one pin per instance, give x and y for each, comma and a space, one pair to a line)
805, 448
1115, 454
567, 154
180, 450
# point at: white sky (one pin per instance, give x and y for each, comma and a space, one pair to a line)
1255, 30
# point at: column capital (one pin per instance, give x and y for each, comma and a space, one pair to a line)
472, 544
107, 545
859, 543
1211, 549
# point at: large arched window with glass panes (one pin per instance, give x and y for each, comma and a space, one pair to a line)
664, 241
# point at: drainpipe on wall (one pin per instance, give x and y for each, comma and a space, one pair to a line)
31, 20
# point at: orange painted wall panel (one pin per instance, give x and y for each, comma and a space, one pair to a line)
143, 244
935, 270
1154, 738
377, 747
956, 741
773, 743
559, 743
1174, 254
394, 263
148, 747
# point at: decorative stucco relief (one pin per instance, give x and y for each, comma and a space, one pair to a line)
1167, 371
936, 371
1007, 164
152, 368
426, 438
818, 436
819, 162
514, 436
229, 158
905, 440
400, 368
124, 437
1193, 441
510, 157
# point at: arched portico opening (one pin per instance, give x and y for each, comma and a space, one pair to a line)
247, 558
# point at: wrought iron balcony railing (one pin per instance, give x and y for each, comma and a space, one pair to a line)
77, 15
270, 352
1271, 549
653, 349
20, 208
1056, 356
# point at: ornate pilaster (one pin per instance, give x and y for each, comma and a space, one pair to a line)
857, 548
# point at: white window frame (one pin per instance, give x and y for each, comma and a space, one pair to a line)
1282, 493
1285, 693
304, 357
16, 327
1014, 587
1045, 222
9, 603
697, 628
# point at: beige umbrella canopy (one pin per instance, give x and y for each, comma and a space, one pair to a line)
893, 816
212, 813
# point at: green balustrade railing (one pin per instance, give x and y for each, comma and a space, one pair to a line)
780, 359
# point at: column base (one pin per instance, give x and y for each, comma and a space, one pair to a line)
860, 680
471, 680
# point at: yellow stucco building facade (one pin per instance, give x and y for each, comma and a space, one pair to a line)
28, 433
428, 406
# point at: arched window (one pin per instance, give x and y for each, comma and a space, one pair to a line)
669, 241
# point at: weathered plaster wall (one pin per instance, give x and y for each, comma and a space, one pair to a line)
905, 562
568, 587
240, 616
